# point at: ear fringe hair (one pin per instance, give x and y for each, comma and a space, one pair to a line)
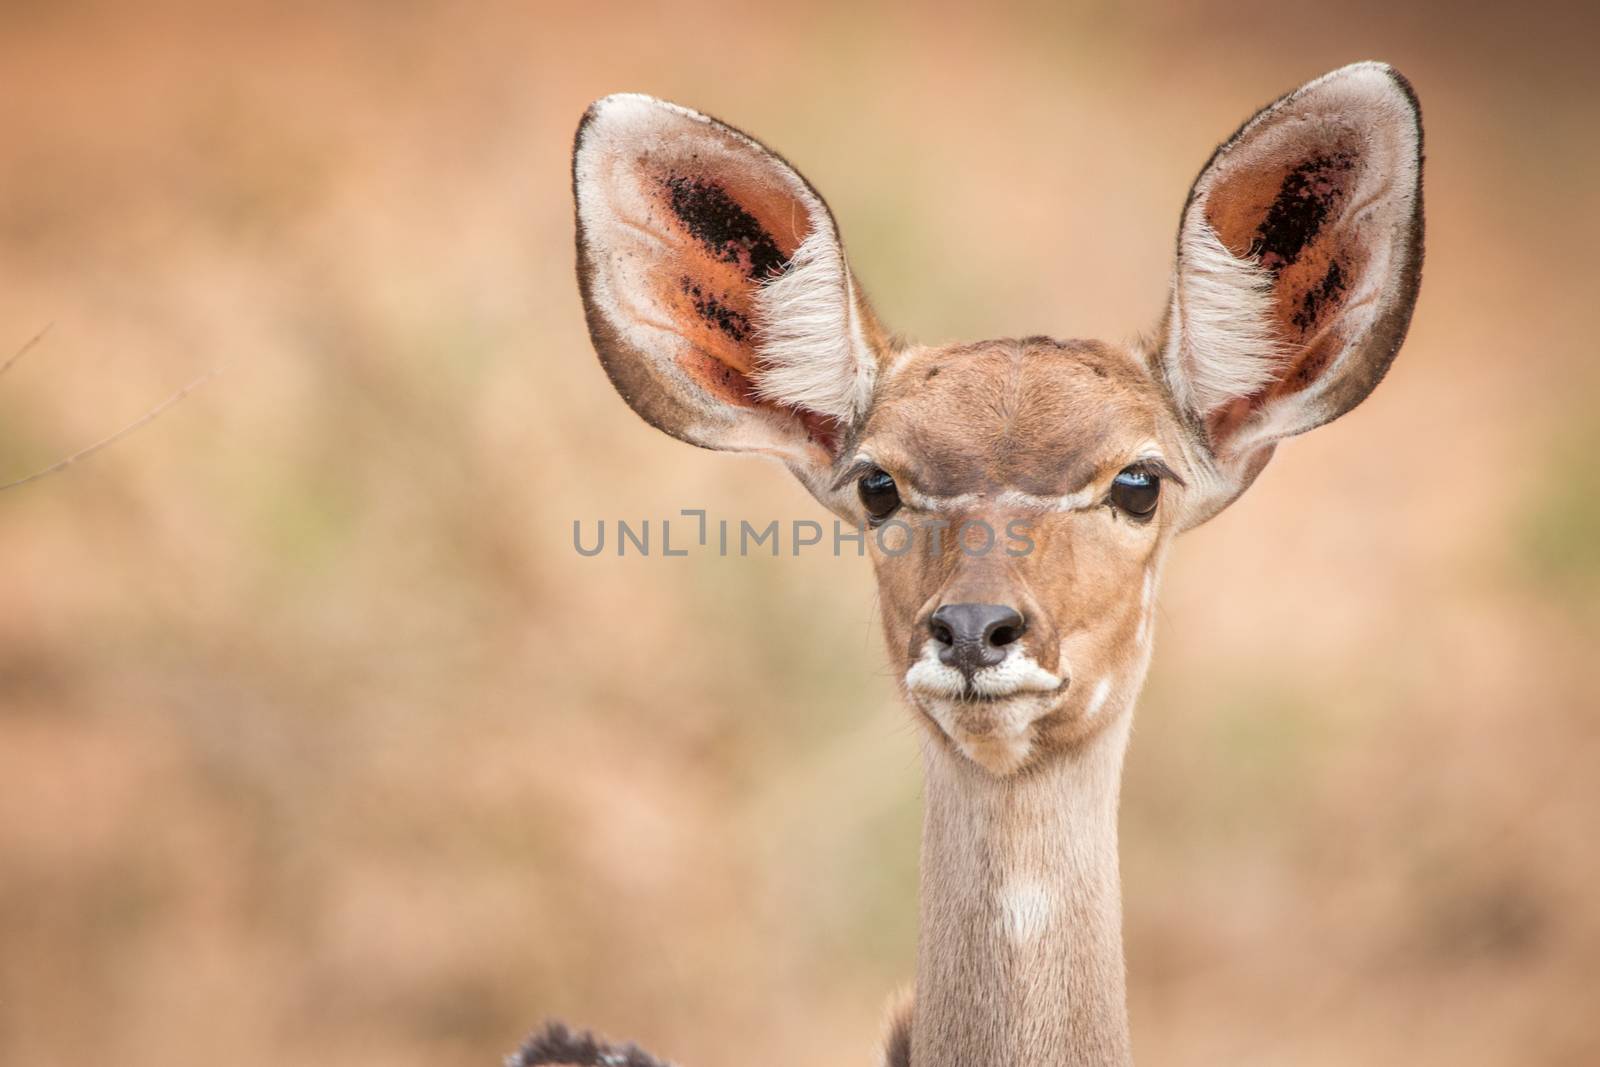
808, 347
1222, 332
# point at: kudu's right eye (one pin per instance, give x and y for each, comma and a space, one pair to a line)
878, 494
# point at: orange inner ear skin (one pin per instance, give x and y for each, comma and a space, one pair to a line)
737, 226
726, 234
1313, 297
1289, 219
1238, 205
1221, 424
719, 378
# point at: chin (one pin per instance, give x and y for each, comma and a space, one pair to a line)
996, 733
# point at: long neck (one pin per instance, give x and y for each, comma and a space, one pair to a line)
1019, 957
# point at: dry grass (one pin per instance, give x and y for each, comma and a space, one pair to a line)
318, 744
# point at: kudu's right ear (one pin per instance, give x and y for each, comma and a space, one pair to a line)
716, 288
1299, 259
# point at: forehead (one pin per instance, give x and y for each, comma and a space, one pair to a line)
1036, 414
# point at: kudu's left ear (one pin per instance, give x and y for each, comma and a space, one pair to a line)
716, 287
1299, 258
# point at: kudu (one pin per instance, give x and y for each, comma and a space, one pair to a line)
722, 307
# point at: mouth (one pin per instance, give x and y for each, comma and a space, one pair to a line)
990, 716
995, 732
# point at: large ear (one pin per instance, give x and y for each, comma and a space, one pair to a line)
716, 286
1299, 258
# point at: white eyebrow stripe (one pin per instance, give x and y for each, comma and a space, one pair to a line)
929, 502
1016, 499
1086, 497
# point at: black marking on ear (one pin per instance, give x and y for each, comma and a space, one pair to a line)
933, 372
1330, 289
1304, 202
558, 1045
733, 323
727, 230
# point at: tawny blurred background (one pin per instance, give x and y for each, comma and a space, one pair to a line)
320, 745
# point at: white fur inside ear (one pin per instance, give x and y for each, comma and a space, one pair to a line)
1221, 329
810, 350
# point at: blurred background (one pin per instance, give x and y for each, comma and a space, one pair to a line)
319, 744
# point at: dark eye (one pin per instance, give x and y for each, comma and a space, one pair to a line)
878, 494
1135, 492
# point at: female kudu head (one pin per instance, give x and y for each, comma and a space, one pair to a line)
1034, 485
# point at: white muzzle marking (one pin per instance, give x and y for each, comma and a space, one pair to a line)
1017, 673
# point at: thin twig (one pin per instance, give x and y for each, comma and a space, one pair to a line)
105, 442
26, 348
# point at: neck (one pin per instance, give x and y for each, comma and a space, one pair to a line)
1019, 957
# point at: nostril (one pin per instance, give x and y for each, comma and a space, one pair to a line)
1003, 627
941, 632
1005, 635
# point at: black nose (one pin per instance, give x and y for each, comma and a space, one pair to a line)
974, 636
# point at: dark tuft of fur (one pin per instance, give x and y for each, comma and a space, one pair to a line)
897, 1043
897, 1050
555, 1044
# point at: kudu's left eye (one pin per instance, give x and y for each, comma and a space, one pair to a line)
1135, 492
878, 494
